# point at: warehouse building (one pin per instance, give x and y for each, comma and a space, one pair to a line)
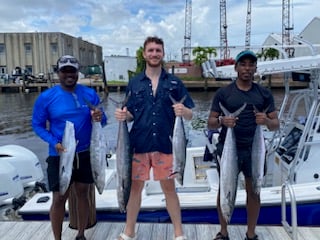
36, 53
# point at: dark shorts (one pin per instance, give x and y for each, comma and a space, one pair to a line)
244, 159
81, 171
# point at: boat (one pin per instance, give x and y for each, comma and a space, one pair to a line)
197, 199
20, 178
291, 192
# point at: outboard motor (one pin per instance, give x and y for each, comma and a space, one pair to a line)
25, 161
10, 184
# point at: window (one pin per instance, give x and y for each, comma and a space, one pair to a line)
27, 48
3, 70
54, 48
28, 69
2, 49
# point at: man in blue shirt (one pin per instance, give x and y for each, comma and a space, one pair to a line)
67, 102
153, 115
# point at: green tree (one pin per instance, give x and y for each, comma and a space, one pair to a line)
203, 54
141, 63
268, 54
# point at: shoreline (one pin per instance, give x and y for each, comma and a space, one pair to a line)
193, 85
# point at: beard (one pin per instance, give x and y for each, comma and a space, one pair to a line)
154, 64
69, 82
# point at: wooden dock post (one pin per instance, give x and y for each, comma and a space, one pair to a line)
73, 215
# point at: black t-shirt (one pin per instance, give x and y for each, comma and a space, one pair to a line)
232, 98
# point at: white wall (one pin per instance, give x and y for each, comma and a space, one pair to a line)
116, 67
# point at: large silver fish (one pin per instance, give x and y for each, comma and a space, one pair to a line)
123, 164
98, 151
67, 157
258, 157
229, 169
179, 145
98, 156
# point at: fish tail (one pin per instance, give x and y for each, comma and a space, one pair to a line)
236, 113
176, 101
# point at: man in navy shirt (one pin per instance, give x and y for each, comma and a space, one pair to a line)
67, 102
232, 97
153, 115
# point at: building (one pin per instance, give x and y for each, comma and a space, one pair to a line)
37, 53
302, 42
117, 67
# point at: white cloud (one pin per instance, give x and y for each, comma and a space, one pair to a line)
118, 25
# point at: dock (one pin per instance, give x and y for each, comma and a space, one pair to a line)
36, 230
195, 85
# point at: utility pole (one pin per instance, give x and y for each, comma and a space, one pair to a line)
248, 26
287, 29
224, 50
186, 50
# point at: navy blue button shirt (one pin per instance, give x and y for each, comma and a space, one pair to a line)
153, 115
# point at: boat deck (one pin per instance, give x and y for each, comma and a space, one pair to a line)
26, 230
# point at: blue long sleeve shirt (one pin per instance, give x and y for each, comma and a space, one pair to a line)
55, 106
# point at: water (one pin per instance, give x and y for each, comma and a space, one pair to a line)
16, 111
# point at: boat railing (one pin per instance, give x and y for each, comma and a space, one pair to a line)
292, 101
308, 144
307, 98
290, 229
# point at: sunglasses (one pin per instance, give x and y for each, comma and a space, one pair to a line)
66, 59
68, 70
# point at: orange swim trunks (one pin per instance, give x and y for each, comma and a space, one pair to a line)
160, 162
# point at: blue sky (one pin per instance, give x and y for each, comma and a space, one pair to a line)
122, 25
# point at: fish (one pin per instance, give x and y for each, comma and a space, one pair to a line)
98, 151
66, 157
123, 163
179, 146
258, 155
229, 169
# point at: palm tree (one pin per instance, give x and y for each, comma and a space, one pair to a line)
203, 54
212, 52
271, 54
